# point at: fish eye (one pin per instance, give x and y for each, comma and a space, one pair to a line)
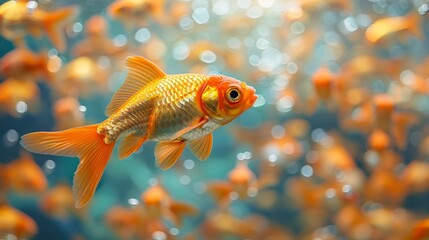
233, 95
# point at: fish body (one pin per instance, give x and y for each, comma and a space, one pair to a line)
19, 18
175, 110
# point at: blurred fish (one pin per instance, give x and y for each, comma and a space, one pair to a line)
379, 140
420, 230
82, 77
58, 201
401, 124
67, 113
16, 97
23, 64
19, 18
172, 109
23, 175
415, 176
97, 42
384, 27
384, 187
122, 221
384, 107
134, 13
158, 204
15, 222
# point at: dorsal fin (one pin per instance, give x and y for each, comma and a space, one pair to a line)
141, 72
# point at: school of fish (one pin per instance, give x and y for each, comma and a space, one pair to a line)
311, 117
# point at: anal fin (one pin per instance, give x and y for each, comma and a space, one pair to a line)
129, 145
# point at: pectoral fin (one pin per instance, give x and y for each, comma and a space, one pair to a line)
202, 146
198, 123
167, 153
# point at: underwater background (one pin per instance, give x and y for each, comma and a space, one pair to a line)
335, 147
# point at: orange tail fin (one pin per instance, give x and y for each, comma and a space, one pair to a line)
83, 142
55, 21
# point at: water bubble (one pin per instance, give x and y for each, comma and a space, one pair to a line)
153, 181
234, 43
11, 237
254, 12
285, 104
201, 15
52, 53
142, 35
185, 179
252, 192
318, 135
233, 195
188, 164
12, 135
291, 67
186, 23
407, 77
77, 27
54, 64
364, 20
120, 40
266, 3
297, 27
307, 171
21, 107
330, 193
50, 164
240, 156
174, 231
244, 4
133, 201
200, 187
262, 43
278, 131
31, 5
181, 51
82, 108
208, 56
347, 188
350, 24
103, 62
254, 60
158, 235
247, 155
272, 158
221, 7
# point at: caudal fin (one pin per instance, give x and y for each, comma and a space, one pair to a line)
54, 23
82, 142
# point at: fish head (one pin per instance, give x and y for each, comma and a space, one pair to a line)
224, 98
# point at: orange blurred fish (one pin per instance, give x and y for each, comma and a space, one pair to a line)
135, 12
24, 176
158, 203
58, 201
173, 109
383, 27
13, 221
13, 91
23, 64
67, 113
19, 18
122, 221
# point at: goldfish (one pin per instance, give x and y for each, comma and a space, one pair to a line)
157, 203
175, 110
420, 230
19, 18
15, 93
15, 222
23, 64
379, 140
58, 201
23, 175
122, 221
384, 27
135, 12
67, 113
97, 43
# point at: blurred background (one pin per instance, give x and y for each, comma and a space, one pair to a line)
335, 147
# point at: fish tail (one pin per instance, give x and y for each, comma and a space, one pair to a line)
82, 142
54, 23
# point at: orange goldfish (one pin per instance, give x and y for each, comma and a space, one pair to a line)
58, 201
24, 175
19, 18
13, 92
158, 203
420, 230
67, 113
386, 26
134, 12
122, 221
13, 221
173, 109
23, 64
